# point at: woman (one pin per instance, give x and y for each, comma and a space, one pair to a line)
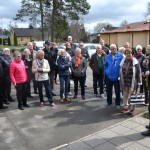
64, 63
130, 78
28, 64
41, 69
78, 67
18, 77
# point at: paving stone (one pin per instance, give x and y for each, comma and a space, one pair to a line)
141, 120
79, 146
107, 134
130, 124
64, 148
121, 141
136, 146
107, 146
94, 141
145, 141
120, 129
133, 135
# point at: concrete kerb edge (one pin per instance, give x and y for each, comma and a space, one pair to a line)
64, 145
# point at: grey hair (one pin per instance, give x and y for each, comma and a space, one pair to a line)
121, 48
26, 50
98, 46
29, 43
113, 46
39, 52
78, 50
16, 53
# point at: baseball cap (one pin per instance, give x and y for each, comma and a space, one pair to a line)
47, 42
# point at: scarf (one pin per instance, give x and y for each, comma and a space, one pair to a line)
77, 61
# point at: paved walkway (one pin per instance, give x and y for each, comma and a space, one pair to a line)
122, 136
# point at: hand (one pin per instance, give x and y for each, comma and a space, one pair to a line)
147, 73
39, 70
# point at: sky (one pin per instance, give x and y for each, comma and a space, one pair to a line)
112, 11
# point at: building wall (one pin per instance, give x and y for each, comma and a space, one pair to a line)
114, 38
124, 37
25, 40
105, 37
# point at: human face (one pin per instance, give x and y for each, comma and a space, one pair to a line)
139, 51
148, 50
7, 53
41, 56
113, 50
18, 57
30, 47
99, 50
77, 54
81, 45
102, 42
129, 55
48, 45
63, 53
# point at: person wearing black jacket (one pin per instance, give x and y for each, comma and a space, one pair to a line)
51, 56
7, 81
3, 64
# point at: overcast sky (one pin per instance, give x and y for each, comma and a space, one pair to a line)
112, 11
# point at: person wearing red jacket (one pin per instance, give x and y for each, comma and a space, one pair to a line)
18, 78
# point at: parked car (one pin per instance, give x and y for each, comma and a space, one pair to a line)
40, 44
91, 47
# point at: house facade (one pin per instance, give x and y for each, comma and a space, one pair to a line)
135, 34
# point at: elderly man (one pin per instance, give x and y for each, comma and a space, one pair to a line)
73, 46
127, 45
104, 48
97, 66
111, 67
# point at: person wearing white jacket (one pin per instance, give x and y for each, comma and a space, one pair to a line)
40, 68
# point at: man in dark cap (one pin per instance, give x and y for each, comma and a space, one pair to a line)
51, 56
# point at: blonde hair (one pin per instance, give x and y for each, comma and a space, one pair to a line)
26, 50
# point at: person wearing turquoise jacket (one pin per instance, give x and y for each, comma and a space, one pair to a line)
111, 69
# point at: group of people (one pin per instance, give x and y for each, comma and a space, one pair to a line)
123, 69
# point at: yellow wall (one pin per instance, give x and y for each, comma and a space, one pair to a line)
105, 38
113, 38
124, 37
24, 40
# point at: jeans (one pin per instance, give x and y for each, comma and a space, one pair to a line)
51, 76
21, 91
47, 89
98, 78
81, 79
109, 85
7, 91
64, 81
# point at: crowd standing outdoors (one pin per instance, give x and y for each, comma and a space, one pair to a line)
119, 68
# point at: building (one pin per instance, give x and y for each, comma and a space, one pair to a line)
134, 33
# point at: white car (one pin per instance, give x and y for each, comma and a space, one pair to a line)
91, 47
40, 44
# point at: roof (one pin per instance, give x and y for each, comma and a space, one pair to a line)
109, 28
4, 36
137, 26
26, 31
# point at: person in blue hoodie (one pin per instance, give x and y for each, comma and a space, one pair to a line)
111, 69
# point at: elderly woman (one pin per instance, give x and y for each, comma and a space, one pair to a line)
122, 51
28, 63
78, 67
18, 77
64, 63
41, 69
130, 78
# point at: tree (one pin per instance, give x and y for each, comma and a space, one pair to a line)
9, 44
100, 25
57, 12
123, 23
15, 40
148, 9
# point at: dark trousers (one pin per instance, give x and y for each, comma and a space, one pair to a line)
35, 85
109, 85
28, 88
47, 89
51, 76
64, 85
146, 90
82, 84
1, 93
7, 91
100, 79
21, 92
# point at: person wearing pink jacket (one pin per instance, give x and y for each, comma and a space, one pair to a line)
18, 78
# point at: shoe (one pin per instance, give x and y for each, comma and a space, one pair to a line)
54, 94
7, 103
30, 96
85, 85
35, 92
52, 105
62, 100
147, 127
102, 95
75, 96
4, 107
11, 100
67, 99
117, 106
83, 97
26, 105
20, 107
123, 110
131, 112
70, 94
146, 133
108, 105
42, 104
95, 95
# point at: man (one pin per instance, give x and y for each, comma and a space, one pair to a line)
73, 46
34, 46
51, 56
84, 53
104, 48
127, 45
111, 67
2, 66
97, 65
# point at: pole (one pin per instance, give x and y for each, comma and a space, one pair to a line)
149, 32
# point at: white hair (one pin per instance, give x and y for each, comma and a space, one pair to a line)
78, 50
121, 48
99, 46
39, 52
138, 47
113, 46
6, 49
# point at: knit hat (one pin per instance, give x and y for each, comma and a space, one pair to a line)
6, 49
138, 47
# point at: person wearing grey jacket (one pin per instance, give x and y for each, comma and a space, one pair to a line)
78, 67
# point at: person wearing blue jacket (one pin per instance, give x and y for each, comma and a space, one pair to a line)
111, 69
64, 63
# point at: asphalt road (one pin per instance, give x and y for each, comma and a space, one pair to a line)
43, 128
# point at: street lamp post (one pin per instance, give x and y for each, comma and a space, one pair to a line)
148, 20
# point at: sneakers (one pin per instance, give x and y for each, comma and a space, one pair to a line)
42, 104
67, 99
70, 94
102, 96
131, 112
52, 105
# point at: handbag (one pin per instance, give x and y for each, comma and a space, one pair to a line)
137, 99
